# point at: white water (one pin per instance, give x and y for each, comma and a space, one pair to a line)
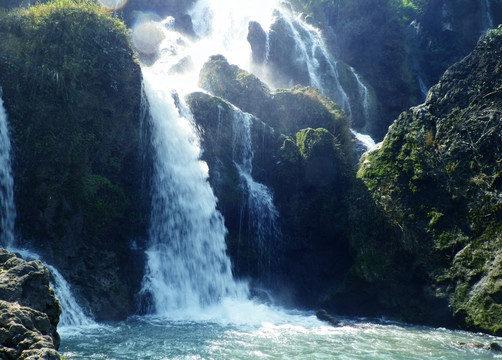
263, 228
7, 206
187, 266
254, 333
72, 315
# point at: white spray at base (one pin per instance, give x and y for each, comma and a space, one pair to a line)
72, 314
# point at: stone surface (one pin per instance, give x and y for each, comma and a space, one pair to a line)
29, 311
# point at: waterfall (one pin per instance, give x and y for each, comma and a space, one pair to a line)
72, 314
7, 206
222, 28
187, 265
263, 217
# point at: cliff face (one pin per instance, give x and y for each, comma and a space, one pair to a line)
72, 92
29, 311
435, 180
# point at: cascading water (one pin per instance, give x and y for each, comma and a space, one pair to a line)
262, 215
7, 207
72, 314
187, 267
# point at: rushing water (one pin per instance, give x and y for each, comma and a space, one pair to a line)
187, 267
198, 310
249, 331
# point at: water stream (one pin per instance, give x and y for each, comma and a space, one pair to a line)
187, 266
7, 206
263, 227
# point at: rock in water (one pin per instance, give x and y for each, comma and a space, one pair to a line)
29, 311
324, 316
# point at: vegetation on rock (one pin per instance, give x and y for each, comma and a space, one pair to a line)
435, 178
72, 92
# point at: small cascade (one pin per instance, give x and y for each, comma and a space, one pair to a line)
7, 206
187, 266
366, 141
72, 313
263, 228
331, 77
424, 90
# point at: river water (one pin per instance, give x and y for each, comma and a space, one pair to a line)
246, 330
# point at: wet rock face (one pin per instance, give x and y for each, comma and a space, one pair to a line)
29, 311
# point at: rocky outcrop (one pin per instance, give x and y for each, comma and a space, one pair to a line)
29, 311
435, 180
303, 152
72, 92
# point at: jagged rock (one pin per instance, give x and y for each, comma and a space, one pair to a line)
257, 38
29, 311
323, 315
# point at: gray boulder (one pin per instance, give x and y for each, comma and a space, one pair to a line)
29, 310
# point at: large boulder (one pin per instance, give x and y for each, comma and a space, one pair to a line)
29, 311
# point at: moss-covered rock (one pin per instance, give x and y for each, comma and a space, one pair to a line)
285, 110
308, 170
72, 91
435, 177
